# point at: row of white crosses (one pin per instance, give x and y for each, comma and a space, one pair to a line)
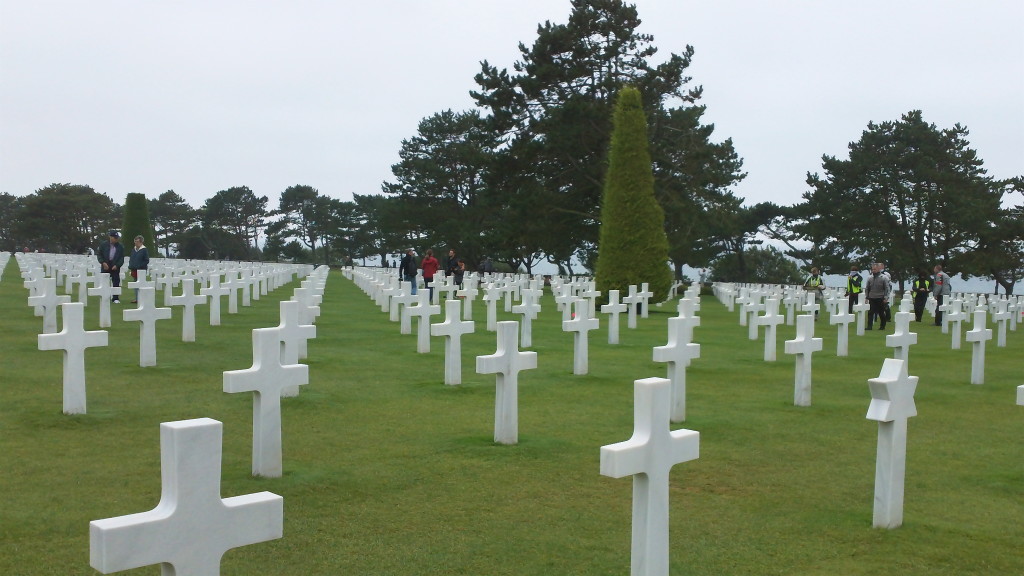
192, 526
74, 339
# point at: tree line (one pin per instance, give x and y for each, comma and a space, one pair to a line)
519, 178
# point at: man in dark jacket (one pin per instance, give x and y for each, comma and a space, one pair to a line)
407, 268
111, 257
922, 288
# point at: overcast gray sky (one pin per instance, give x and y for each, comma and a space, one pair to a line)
201, 95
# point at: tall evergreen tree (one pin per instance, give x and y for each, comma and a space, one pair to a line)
633, 247
136, 221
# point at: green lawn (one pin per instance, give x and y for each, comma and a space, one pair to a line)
388, 471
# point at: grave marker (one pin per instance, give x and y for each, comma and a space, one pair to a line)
678, 353
803, 347
452, 329
892, 403
266, 379
978, 336
192, 526
147, 315
580, 326
648, 456
506, 362
73, 340
613, 308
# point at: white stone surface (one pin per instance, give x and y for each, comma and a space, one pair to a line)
506, 363
860, 309
147, 314
978, 336
192, 526
678, 353
770, 321
902, 338
952, 319
580, 326
842, 318
892, 403
48, 300
613, 309
73, 340
293, 336
1020, 395
645, 296
631, 299
528, 308
422, 311
266, 379
188, 300
452, 330
105, 290
648, 456
214, 291
803, 347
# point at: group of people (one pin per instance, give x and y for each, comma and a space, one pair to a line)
455, 268
878, 286
111, 257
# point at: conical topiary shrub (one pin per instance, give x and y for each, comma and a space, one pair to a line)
633, 247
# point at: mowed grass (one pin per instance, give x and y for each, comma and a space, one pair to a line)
389, 471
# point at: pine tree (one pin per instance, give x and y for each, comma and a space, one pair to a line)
136, 222
633, 247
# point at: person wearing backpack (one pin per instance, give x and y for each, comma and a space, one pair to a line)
941, 288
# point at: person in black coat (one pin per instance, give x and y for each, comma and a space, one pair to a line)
139, 260
407, 268
111, 257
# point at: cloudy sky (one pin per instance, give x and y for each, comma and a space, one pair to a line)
201, 95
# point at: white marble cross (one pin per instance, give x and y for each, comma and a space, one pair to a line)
147, 315
452, 329
580, 326
469, 293
192, 526
645, 296
1020, 395
978, 336
953, 318
770, 321
860, 309
422, 311
506, 362
648, 456
892, 402
613, 308
678, 353
188, 300
106, 291
293, 335
529, 308
842, 318
49, 300
632, 299
492, 293
752, 307
266, 379
791, 300
1001, 317
215, 290
73, 340
400, 304
902, 338
803, 347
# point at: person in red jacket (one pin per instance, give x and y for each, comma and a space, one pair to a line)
429, 266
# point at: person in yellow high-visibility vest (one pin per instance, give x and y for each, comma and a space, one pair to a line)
854, 286
815, 285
